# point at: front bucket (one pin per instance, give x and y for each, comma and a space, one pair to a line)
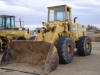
35, 53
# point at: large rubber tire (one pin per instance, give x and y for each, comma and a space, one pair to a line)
4, 44
32, 38
1, 48
61, 44
82, 48
20, 38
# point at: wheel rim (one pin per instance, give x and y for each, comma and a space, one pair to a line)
69, 50
88, 46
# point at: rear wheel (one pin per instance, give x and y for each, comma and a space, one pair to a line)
84, 46
65, 47
20, 38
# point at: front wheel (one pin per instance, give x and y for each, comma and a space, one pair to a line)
3, 44
84, 46
65, 48
1, 49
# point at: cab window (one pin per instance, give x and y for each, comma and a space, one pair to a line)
1, 22
57, 14
68, 15
8, 24
12, 22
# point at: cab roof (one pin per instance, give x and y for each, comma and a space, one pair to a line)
60, 6
8, 15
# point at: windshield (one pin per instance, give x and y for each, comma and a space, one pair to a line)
10, 22
7, 22
57, 14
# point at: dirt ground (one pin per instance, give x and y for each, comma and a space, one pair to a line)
89, 65
94, 37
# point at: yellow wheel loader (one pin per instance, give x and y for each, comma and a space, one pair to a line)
54, 43
8, 31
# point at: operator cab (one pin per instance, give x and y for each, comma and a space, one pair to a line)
59, 13
7, 22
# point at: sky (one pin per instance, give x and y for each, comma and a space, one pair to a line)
34, 12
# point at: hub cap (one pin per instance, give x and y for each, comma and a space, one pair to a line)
69, 50
88, 46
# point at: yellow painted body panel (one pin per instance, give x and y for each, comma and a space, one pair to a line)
11, 34
61, 29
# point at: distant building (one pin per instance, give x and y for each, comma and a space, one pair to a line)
19, 24
95, 25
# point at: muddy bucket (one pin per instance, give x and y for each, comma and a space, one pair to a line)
35, 53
